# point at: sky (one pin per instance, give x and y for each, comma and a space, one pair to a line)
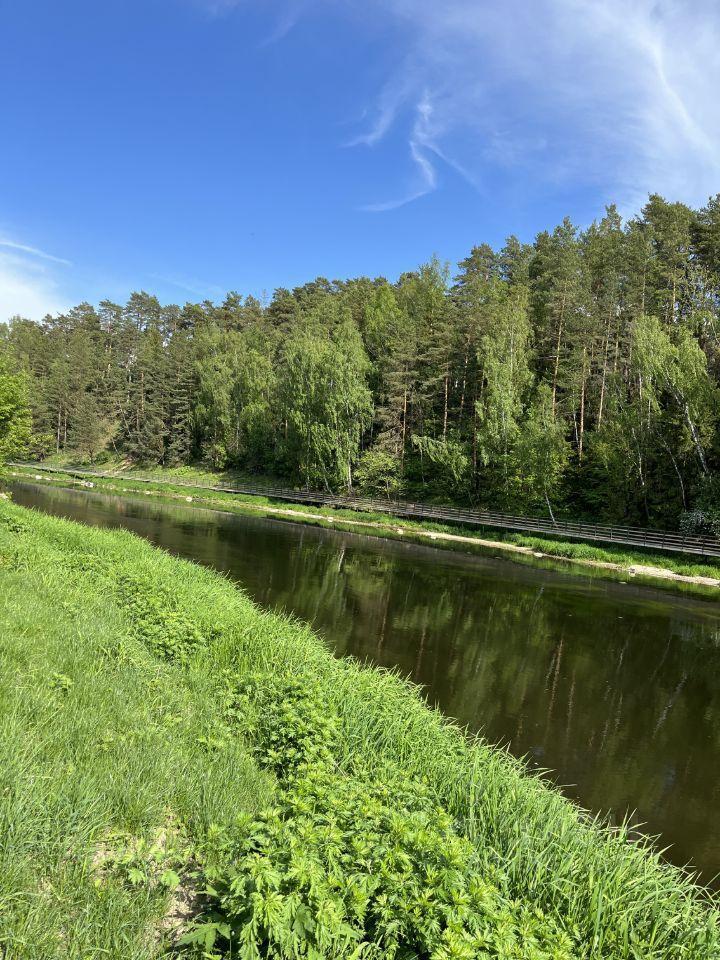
191, 147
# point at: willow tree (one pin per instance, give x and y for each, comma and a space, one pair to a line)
542, 454
233, 409
15, 418
661, 419
505, 378
323, 398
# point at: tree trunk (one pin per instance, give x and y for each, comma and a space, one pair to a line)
445, 410
696, 439
582, 407
404, 422
557, 352
679, 474
604, 373
464, 381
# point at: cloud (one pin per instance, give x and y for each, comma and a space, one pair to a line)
33, 251
615, 95
218, 7
29, 281
421, 145
288, 18
197, 287
288, 14
27, 288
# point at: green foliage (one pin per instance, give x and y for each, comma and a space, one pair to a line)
542, 453
623, 558
168, 632
436, 390
447, 460
378, 472
504, 362
704, 520
348, 868
137, 861
61, 682
324, 399
90, 431
103, 784
289, 727
15, 417
232, 413
140, 740
347, 865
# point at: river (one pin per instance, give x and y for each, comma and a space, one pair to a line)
613, 687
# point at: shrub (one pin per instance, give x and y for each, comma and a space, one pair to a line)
703, 522
348, 868
351, 866
168, 632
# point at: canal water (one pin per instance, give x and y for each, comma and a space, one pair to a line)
614, 688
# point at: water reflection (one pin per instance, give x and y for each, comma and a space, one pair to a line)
614, 687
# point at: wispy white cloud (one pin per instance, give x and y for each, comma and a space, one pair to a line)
286, 15
617, 95
197, 287
33, 251
401, 88
290, 14
421, 146
28, 288
218, 7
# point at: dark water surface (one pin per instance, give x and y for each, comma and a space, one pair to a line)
614, 687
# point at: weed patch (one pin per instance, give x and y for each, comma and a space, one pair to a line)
165, 630
350, 865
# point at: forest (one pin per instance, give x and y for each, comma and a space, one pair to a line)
578, 375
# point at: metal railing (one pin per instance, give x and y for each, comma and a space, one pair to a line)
663, 540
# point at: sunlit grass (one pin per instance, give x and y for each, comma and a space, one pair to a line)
96, 737
587, 551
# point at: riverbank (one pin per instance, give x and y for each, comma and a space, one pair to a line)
191, 486
136, 692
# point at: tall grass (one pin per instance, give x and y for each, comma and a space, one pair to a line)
64, 590
97, 739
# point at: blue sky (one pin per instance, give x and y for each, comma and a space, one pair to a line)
188, 147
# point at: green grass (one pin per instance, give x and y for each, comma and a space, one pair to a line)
585, 553
113, 665
97, 738
626, 558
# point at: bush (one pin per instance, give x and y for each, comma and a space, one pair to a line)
351, 866
348, 868
168, 632
702, 522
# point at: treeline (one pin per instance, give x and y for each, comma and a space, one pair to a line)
576, 374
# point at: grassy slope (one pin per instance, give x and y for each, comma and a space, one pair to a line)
97, 738
100, 735
172, 483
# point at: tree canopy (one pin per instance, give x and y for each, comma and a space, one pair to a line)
15, 417
578, 374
